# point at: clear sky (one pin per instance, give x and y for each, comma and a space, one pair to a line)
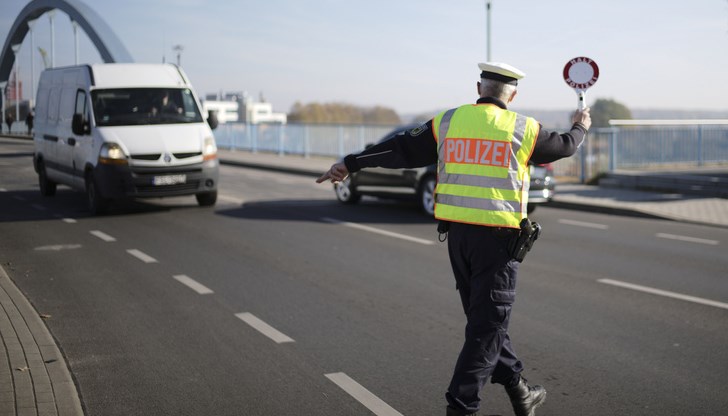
416, 56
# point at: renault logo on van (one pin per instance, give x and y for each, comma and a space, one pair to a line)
167, 158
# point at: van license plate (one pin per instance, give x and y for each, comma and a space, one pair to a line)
169, 180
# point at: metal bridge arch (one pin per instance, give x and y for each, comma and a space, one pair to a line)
107, 43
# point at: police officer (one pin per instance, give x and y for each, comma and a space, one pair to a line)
482, 152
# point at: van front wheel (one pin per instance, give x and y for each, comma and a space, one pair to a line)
206, 199
96, 203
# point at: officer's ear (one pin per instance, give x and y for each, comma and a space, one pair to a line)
478, 88
513, 96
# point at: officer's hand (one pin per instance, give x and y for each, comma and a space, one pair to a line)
583, 117
337, 173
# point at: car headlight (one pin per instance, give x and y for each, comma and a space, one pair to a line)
112, 154
209, 149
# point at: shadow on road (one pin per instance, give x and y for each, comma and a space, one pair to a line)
29, 205
369, 211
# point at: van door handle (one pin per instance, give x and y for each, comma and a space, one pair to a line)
71, 141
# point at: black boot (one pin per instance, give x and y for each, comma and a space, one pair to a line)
525, 399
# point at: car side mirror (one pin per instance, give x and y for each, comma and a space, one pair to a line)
212, 119
79, 126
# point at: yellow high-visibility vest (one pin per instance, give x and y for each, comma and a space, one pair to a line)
483, 175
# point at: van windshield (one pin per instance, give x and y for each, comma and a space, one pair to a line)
137, 106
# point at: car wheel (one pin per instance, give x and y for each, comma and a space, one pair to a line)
47, 186
346, 193
96, 203
426, 194
206, 199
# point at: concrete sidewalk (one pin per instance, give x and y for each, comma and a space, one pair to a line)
34, 377
677, 207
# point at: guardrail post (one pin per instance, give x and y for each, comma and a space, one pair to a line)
613, 149
341, 140
582, 155
306, 142
700, 145
254, 137
230, 131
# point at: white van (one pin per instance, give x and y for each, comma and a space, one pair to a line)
123, 131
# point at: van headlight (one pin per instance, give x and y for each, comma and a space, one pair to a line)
209, 149
112, 154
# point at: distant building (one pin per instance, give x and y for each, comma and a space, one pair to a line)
240, 108
11, 94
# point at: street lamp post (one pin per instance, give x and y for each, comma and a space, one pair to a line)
15, 49
487, 34
52, 14
75, 39
31, 23
2, 103
178, 49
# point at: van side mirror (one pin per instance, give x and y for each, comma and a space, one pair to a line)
79, 126
212, 119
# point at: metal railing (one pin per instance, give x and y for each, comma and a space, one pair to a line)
648, 145
628, 144
299, 139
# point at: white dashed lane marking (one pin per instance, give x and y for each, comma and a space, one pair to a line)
193, 284
263, 328
687, 239
102, 236
362, 395
584, 224
58, 247
141, 256
69, 220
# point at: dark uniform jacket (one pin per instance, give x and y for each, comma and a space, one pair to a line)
418, 147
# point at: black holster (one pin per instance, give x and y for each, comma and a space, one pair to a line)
521, 245
442, 228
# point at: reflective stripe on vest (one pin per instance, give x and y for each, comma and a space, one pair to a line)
483, 174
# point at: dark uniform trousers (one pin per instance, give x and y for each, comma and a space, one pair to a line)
486, 280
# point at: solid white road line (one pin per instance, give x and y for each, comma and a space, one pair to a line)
688, 239
102, 236
584, 224
362, 395
665, 293
3, 190
263, 328
141, 256
69, 220
379, 231
193, 284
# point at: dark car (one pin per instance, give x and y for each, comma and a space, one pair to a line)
419, 183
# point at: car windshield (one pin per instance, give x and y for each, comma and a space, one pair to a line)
137, 106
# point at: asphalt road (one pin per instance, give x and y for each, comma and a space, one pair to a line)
282, 301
